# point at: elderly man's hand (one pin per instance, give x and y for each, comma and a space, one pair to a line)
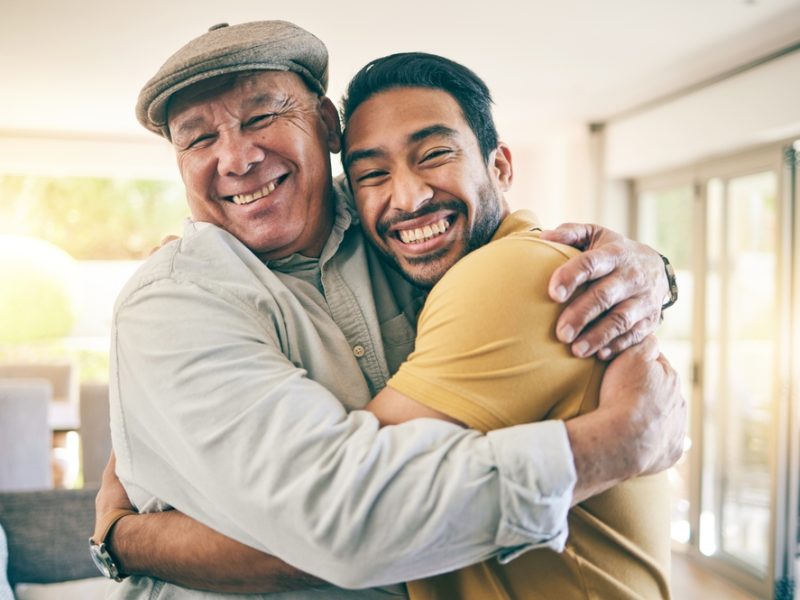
644, 390
164, 241
111, 495
639, 425
622, 303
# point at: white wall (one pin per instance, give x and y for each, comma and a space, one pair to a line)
754, 107
553, 176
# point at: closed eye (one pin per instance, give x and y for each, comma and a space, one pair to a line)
259, 120
371, 177
201, 140
436, 153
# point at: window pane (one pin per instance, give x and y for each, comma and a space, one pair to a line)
750, 373
740, 357
665, 222
67, 245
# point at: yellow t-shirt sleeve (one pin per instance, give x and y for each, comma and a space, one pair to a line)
486, 352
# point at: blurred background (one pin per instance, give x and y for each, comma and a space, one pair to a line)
673, 122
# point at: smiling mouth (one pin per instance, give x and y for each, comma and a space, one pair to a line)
242, 199
423, 234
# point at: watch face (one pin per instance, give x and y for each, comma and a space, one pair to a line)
102, 560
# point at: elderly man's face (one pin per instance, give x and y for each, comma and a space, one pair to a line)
253, 152
425, 195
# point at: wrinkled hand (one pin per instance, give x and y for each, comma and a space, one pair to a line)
111, 495
644, 390
622, 304
164, 242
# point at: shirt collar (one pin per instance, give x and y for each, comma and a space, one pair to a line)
516, 222
345, 217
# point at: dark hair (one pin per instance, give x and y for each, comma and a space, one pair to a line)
418, 69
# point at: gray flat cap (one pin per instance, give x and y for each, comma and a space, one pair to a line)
264, 45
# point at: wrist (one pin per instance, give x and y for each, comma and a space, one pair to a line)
602, 451
100, 547
115, 542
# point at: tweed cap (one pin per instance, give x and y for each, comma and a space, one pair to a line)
259, 45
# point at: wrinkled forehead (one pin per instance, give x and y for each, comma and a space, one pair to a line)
266, 85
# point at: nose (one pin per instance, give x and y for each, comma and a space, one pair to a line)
409, 191
236, 154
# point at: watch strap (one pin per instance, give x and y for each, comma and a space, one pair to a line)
671, 281
109, 520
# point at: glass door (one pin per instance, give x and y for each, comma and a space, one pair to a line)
665, 214
741, 372
735, 491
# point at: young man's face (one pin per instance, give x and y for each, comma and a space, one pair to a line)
424, 193
253, 152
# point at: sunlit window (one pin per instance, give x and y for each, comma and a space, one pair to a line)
67, 246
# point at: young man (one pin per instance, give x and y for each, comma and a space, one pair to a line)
242, 354
428, 175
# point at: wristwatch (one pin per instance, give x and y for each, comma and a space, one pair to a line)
672, 282
98, 549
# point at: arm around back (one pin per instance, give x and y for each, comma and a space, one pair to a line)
210, 417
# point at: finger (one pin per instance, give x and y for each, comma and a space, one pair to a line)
673, 378
164, 241
616, 322
572, 234
589, 266
636, 334
646, 350
600, 313
111, 466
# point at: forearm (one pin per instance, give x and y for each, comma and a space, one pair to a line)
600, 461
175, 548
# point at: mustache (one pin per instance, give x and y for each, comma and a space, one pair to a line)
456, 206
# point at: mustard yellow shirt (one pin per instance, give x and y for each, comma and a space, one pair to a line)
486, 354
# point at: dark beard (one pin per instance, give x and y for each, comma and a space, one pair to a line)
488, 216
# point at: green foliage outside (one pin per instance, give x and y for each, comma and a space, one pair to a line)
89, 219
36, 300
92, 218
673, 228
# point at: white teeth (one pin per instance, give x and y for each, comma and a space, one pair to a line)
410, 236
248, 198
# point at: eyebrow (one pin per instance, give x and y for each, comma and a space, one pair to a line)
440, 130
417, 136
189, 125
263, 99
256, 101
357, 155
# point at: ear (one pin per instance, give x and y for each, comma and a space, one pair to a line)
501, 167
330, 116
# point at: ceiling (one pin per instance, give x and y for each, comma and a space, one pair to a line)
76, 66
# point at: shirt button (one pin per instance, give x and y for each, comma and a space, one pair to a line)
359, 351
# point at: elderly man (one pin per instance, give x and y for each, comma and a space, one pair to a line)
242, 354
